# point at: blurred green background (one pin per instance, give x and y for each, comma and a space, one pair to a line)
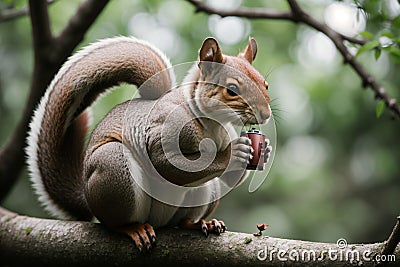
336, 170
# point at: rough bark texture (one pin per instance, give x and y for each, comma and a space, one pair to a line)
27, 241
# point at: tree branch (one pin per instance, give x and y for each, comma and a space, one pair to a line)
11, 14
41, 31
77, 27
7, 15
49, 54
258, 13
367, 79
42, 242
297, 15
393, 240
12, 154
252, 13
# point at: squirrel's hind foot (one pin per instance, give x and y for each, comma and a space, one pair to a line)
142, 234
214, 226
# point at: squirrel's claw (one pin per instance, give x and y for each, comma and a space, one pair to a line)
216, 226
204, 227
268, 150
213, 226
143, 235
223, 226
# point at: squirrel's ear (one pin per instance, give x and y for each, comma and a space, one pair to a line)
250, 51
210, 51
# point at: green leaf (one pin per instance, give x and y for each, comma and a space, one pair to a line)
367, 35
387, 48
371, 6
380, 107
377, 53
387, 34
368, 46
396, 22
395, 51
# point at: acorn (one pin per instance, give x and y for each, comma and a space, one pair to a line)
261, 227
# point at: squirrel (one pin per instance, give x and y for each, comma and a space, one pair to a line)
104, 177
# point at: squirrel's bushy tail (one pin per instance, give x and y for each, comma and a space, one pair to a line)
58, 129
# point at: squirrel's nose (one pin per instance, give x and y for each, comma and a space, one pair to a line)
264, 114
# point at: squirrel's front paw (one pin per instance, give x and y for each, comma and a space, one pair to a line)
241, 153
268, 150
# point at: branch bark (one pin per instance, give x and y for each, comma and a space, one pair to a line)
43, 242
11, 14
393, 240
74, 32
12, 154
298, 15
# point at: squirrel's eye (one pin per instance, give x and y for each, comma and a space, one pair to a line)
266, 85
233, 89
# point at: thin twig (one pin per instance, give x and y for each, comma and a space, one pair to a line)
74, 32
11, 14
298, 15
253, 13
393, 240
